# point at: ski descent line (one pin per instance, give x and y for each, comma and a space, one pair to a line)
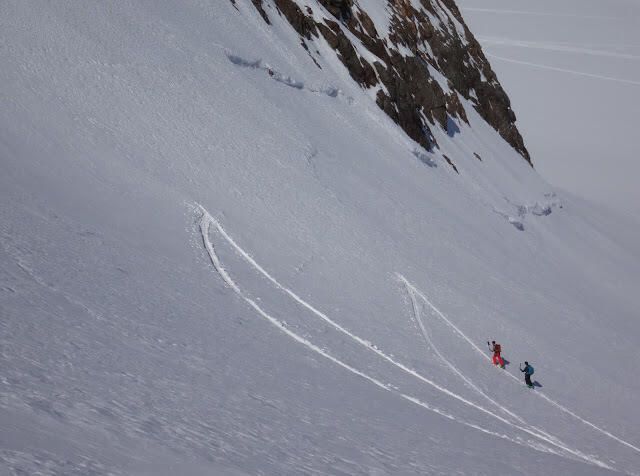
205, 225
207, 220
539, 393
429, 342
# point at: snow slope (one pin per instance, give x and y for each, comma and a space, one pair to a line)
572, 71
210, 269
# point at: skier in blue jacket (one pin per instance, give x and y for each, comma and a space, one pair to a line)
528, 372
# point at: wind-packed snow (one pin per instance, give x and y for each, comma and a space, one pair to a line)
218, 258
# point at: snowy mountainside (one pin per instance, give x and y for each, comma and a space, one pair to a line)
218, 258
552, 55
393, 49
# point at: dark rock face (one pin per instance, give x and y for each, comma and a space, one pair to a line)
450, 163
258, 5
433, 36
360, 70
303, 24
340, 9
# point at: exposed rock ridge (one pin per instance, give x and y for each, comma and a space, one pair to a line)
423, 39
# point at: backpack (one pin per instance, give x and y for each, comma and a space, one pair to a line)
496, 348
530, 370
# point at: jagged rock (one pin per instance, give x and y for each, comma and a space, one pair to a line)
386, 104
360, 70
454, 107
341, 9
413, 99
367, 24
303, 24
258, 5
450, 163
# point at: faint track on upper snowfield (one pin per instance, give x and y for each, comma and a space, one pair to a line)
563, 70
558, 47
484, 355
207, 221
541, 14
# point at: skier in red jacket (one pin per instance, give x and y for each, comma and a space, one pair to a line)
495, 348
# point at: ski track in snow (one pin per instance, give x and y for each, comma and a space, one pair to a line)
430, 343
562, 70
418, 317
553, 47
542, 14
205, 225
415, 290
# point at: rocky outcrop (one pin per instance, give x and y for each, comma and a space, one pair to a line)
340, 9
303, 24
419, 39
258, 5
359, 68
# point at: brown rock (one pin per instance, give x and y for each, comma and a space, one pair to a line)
304, 25
414, 100
450, 163
258, 5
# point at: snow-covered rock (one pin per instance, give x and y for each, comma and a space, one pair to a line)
393, 49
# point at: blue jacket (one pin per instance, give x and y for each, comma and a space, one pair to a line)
528, 370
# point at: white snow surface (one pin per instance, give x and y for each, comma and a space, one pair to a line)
572, 71
218, 258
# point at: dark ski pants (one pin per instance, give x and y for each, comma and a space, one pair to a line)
527, 379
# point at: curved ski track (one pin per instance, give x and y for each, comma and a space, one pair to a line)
430, 343
205, 225
454, 369
415, 290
